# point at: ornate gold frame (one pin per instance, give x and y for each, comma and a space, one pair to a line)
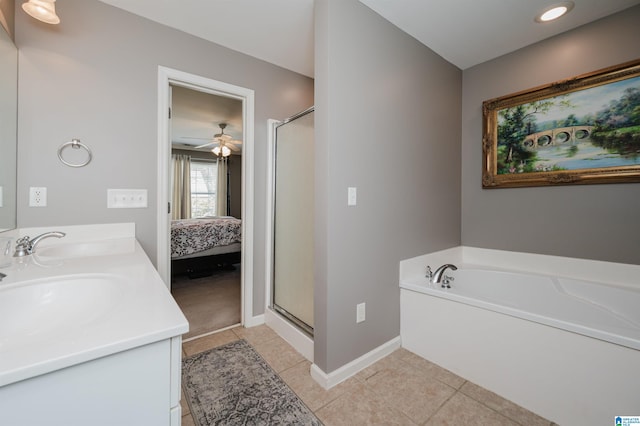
491, 108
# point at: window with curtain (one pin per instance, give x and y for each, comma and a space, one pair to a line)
204, 177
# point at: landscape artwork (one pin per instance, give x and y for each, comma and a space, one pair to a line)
583, 130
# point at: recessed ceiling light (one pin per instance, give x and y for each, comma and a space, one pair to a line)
554, 11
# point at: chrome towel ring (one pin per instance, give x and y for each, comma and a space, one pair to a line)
75, 144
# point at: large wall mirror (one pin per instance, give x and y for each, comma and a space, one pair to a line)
8, 129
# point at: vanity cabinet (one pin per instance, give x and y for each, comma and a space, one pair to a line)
139, 386
89, 334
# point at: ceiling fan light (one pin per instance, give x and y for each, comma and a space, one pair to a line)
42, 10
221, 151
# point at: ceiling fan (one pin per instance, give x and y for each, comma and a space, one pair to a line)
224, 143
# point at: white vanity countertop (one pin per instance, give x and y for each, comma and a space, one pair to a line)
130, 305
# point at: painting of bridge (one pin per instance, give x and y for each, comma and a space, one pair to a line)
561, 135
583, 130
594, 128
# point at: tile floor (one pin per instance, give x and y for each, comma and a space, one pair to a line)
400, 389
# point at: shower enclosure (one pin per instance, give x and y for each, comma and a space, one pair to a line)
293, 223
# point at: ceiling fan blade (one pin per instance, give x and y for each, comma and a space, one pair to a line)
233, 147
193, 137
206, 144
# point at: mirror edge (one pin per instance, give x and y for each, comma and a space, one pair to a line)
9, 120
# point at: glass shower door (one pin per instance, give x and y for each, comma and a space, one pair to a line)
294, 220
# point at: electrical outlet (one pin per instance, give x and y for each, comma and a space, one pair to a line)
37, 196
360, 312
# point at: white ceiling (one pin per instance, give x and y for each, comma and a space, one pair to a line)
196, 117
469, 32
276, 31
464, 32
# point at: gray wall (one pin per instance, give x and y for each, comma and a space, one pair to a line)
388, 123
591, 221
94, 77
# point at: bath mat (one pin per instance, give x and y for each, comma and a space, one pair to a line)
233, 385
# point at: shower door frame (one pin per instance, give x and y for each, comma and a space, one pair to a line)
271, 241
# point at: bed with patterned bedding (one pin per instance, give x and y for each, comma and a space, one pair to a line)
205, 236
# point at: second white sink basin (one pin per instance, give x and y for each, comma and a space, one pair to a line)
57, 306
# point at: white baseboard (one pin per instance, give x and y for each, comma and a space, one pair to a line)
327, 381
254, 321
296, 338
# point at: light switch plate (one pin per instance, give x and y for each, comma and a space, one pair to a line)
352, 196
360, 312
126, 198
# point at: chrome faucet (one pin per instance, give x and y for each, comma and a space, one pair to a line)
26, 246
438, 276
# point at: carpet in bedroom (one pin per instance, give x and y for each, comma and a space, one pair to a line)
209, 303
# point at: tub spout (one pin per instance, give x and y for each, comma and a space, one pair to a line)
439, 273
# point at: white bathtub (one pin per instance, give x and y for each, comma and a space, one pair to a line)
564, 343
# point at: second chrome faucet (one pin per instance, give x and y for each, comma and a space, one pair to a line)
438, 276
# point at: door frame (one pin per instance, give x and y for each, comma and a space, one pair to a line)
167, 77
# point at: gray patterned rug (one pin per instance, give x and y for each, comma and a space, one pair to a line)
233, 385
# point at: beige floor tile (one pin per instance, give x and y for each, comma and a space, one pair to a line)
184, 406
430, 368
390, 361
462, 410
187, 420
503, 406
360, 406
278, 353
208, 342
312, 394
412, 391
258, 334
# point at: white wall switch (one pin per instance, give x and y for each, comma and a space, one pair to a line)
360, 312
126, 198
352, 196
37, 196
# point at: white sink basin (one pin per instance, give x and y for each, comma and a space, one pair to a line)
87, 249
57, 306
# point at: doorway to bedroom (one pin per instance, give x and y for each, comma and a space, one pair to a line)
204, 259
206, 217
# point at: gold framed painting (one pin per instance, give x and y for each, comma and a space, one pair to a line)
584, 130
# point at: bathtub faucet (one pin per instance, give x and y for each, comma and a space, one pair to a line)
438, 276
